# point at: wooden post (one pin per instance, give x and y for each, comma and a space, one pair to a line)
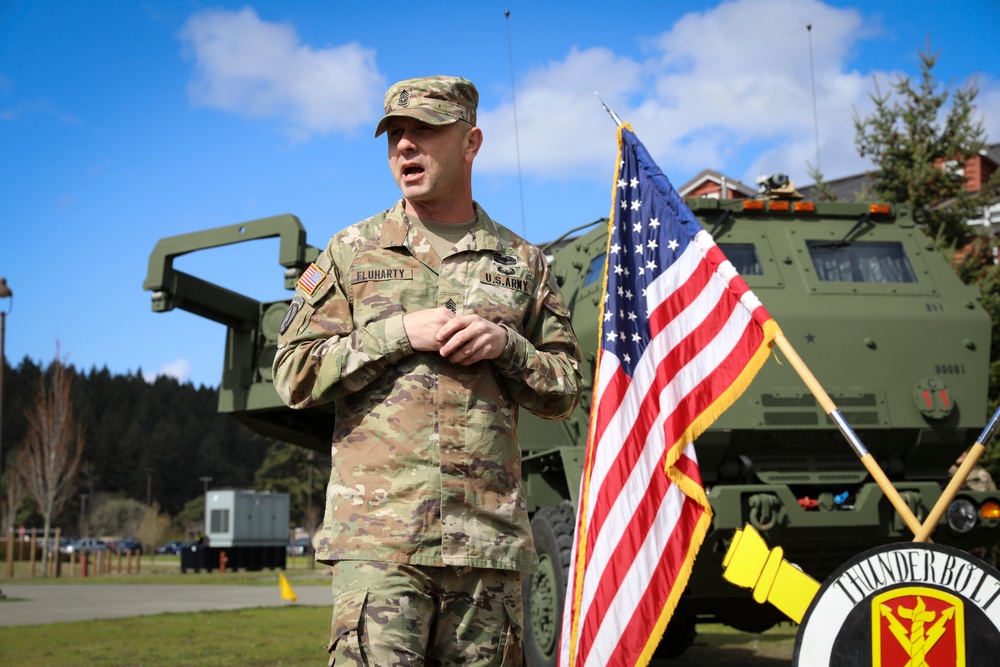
31, 554
10, 553
138, 562
845, 429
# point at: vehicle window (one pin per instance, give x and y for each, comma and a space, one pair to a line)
744, 257
861, 262
596, 271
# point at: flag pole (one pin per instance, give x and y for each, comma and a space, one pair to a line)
958, 479
866, 458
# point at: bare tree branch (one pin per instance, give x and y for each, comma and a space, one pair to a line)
49, 459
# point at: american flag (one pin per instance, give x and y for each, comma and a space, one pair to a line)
310, 278
681, 338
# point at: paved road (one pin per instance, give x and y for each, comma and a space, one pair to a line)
59, 603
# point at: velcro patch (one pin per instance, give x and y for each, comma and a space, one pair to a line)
503, 280
367, 275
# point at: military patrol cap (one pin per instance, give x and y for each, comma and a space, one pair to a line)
438, 100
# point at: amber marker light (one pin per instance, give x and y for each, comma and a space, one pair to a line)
805, 207
990, 511
879, 209
753, 205
780, 206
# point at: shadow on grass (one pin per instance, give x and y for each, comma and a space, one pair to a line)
724, 647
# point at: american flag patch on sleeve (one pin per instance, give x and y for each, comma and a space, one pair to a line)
311, 278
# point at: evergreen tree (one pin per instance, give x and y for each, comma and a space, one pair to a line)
921, 147
301, 474
920, 151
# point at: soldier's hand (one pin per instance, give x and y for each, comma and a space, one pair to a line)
469, 339
422, 328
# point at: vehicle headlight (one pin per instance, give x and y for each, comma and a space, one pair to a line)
961, 516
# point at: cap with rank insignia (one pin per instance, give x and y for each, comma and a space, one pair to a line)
311, 278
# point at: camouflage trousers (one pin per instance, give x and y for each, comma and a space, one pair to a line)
389, 614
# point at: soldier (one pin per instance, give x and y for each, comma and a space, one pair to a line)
426, 327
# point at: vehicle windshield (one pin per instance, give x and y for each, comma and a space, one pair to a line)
861, 262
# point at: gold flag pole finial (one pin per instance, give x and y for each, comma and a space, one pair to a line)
614, 116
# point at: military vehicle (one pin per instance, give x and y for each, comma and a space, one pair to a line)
897, 341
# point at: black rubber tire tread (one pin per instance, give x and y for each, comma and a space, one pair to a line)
553, 532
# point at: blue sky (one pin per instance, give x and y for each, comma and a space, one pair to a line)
125, 122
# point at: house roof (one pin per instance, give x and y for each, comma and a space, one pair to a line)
716, 177
848, 188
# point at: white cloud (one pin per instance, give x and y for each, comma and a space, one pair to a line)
562, 128
262, 70
179, 369
988, 104
726, 88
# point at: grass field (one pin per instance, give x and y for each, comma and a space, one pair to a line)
285, 637
273, 636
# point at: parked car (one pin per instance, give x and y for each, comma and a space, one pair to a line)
126, 545
300, 548
84, 544
173, 548
169, 548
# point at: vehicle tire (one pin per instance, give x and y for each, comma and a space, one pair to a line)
545, 592
678, 637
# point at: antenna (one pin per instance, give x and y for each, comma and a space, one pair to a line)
517, 140
812, 76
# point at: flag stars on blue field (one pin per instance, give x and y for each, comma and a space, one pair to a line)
637, 255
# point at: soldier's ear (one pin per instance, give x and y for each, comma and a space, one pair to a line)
473, 142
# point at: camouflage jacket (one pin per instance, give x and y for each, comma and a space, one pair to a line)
426, 467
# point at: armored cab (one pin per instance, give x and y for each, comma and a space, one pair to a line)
874, 310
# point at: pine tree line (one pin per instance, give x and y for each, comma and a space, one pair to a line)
147, 441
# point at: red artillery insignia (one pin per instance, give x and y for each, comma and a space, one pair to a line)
918, 627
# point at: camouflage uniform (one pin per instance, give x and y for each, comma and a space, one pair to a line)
426, 464
426, 523
460, 616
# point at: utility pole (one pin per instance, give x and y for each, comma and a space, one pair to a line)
5, 293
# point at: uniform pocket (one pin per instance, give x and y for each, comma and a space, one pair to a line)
509, 652
348, 639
